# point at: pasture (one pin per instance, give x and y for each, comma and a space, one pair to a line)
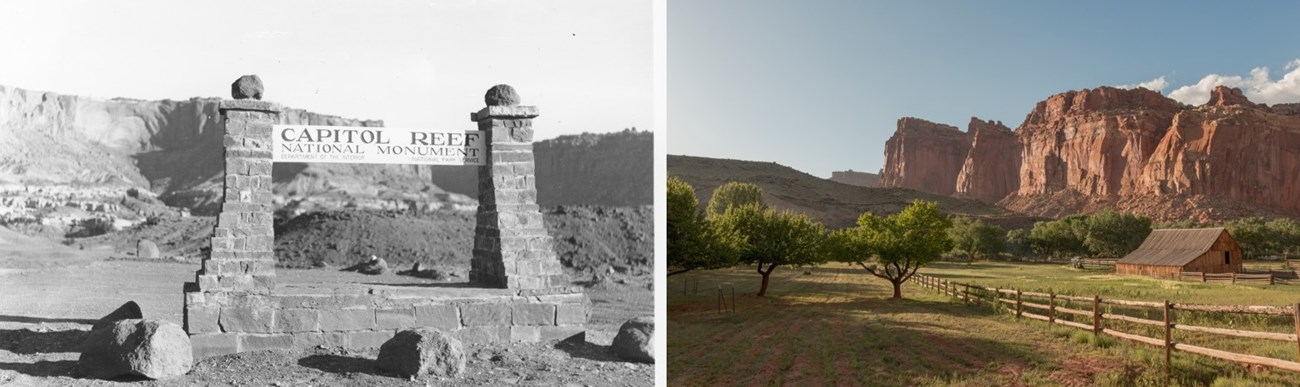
836, 325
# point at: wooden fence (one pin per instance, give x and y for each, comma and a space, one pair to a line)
1100, 262
1021, 303
1262, 278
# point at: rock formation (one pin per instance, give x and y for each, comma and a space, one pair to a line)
924, 156
851, 177
69, 151
1137, 150
992, 166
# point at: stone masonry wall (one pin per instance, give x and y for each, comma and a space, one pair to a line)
224, 323
511, 247
243, 256
235, 304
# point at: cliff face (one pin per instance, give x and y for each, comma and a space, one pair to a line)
1092, 141
1231, 151
851, 177
612, 169
61, 150
992, 167
924, 156
1137, 150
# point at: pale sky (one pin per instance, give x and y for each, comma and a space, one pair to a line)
820, 85
586, 64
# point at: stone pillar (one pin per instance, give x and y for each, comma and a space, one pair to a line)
511, 247
243, 243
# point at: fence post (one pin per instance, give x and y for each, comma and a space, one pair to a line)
720, 298
1096, 315
1203, 277
1297, 329
967, 299
733, 299
1017, 303
1051, 307
1168, 337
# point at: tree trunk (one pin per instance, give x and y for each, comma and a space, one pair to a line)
763, 289
898, 289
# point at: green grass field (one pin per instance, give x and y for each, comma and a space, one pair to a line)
836, 325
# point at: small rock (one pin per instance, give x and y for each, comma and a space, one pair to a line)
422, 351
635, 340
374, 266
246, 87
129, 310
146, 249
154, 349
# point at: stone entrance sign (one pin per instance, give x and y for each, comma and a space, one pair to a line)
517, 292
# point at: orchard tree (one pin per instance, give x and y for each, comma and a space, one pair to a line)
901, 243
774, 238
734, 194
975, 238
1112, 234
1061, 237
693, 242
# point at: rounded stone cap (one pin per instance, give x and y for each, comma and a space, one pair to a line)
501, 95
247, 87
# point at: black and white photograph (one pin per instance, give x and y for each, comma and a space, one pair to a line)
327, 193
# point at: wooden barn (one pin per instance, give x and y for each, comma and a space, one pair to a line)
1168, 251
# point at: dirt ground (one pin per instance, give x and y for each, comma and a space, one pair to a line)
50, 293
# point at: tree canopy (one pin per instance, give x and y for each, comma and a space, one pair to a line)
774, 238
901, 243
734, 194
977, 239
694, 242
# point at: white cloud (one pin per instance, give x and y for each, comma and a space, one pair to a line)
1157, 84
1259, 87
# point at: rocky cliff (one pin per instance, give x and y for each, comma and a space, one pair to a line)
67, 151
610, 169
851, 177
992, 166
1081, 151
924, 156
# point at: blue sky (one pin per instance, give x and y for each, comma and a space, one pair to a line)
820, 85
412, 63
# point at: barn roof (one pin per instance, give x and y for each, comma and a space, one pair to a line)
1173, 247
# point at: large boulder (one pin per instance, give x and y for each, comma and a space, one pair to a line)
154, 349
422, 351
635, 340
129, 310
147, 249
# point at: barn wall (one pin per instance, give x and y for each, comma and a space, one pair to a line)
1212, 260
1165, 272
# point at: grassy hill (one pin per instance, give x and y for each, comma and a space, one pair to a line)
835, 204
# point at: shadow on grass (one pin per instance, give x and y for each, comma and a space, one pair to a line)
23, 341
343, 365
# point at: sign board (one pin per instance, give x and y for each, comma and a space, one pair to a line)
348, 144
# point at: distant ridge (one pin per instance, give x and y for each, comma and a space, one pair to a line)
835, 204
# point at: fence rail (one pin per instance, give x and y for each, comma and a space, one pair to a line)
1047, 304
1234, 278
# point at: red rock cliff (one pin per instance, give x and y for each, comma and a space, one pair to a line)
924, 156
992, 167
1091, 141
1229, 148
